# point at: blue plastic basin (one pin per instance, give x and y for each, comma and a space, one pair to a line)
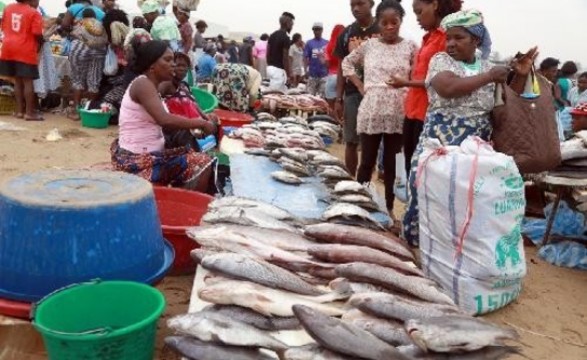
63, 227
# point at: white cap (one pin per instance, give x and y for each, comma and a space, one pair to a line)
318, 25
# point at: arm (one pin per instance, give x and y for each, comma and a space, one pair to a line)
67, 22
350, 63
287, 62
450, 86
253, 85
144, 93
307, 57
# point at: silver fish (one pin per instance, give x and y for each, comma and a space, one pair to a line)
416, 286
488, 353
343, 254
338, 336
195, 349
390, 331
346, 187
349, 212
216, 237
313, 352
297, 154
255, 319
265, 300
245, 216
208, 326
257, 152
352, 235
366, 202
397, 307
268, 209
324, 159
313, 153
286, 177
258, 271
290, 166
457, 333
340, 284
334, 173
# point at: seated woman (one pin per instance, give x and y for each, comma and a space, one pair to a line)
180, 101
579, 114
140, 148
461, 92
236, 86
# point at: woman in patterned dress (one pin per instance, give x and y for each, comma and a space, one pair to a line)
461, 92
381, 112
236, 86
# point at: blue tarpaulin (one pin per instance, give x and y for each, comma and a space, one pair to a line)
251, 178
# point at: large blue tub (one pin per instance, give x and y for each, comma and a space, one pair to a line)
63, 227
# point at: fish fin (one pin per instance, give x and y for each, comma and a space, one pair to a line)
417, 339
341, 293
259, 306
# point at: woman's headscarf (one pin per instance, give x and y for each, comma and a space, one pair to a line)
150, 6
147, 54
472, 21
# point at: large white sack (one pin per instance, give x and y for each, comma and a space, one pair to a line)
472, 195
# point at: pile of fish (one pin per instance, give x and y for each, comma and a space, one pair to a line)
304, 102
357, 293
268, 133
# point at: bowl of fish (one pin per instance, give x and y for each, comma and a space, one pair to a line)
62, 227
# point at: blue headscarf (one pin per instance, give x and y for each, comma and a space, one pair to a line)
472, 21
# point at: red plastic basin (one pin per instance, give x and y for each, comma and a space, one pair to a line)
179, 210
21, 310
231, 119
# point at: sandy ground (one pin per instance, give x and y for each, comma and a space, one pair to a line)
551, 313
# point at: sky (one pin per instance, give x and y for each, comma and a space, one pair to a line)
515, 25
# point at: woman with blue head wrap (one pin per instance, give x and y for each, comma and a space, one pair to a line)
461, 93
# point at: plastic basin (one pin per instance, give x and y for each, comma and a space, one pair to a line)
95, 120
63, 227
114, 320
207, 101
179, 210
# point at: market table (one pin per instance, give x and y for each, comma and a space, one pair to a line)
561, 186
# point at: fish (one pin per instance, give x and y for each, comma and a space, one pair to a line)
323, 159
344, 338
334, 173
208, 326
195, 349
258, 271
313, 352
265, 300
284, 240
313, 153
257, 152
390, 331
349, 212
366, 202
255, 319
245, 216
346, 187
269, 209
216, 237
352, 235
294, 168
422, 288
297, 154
488, 353
286, 177
396, 307
265, 116
342, 254
457, 333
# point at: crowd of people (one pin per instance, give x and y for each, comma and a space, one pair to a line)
390, 92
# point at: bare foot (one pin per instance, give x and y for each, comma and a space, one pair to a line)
35, 117
18, 115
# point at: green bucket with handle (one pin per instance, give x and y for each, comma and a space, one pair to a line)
114, 320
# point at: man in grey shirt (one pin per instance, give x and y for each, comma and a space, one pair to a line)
199, 41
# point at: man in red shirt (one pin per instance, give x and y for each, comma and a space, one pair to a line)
22, 26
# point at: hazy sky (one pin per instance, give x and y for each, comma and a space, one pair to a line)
515, 25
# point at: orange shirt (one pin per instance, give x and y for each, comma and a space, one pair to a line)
22, 26
417, 99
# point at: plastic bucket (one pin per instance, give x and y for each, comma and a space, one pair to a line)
179, 210
95, 120
207, 101
114, 320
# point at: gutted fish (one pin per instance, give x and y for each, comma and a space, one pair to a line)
349, 213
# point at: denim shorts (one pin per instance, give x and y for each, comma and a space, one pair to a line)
330, 90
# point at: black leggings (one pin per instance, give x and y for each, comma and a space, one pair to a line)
412, 130
392, 144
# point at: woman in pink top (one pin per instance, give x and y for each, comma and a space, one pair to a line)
260, 54
140, 148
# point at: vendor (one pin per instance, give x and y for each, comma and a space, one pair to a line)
461, 93
180, 101
161, 27
578, 94
140, 148
206, 63
236, 86
579, 114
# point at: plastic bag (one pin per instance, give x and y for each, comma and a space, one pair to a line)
400, 188
111, 63
471, 206
566, 254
